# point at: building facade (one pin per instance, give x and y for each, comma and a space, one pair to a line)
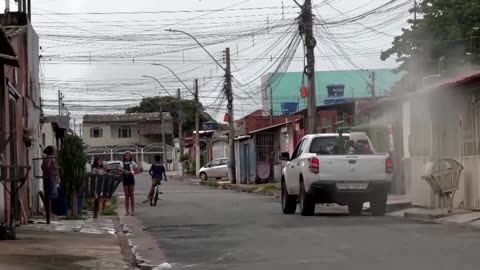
20, 115
281, 91
126, 129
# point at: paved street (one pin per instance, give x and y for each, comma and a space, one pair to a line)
201, 228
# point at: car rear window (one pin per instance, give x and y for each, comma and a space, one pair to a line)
333, 146
113, 165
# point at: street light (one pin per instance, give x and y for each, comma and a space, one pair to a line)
199, 44
197, 116
164, 146
231, 127
159, 83
176, 76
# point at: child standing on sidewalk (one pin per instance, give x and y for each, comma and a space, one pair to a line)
158, 173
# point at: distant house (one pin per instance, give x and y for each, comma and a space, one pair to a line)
126, 129
281, 91
109, 136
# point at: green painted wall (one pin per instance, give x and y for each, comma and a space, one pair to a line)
286, 86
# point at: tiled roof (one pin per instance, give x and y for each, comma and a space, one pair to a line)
463, 80
129, 117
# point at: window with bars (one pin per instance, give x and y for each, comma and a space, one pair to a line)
124, 132
96, 133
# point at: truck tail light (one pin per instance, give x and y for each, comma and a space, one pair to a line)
388, 165
314, 165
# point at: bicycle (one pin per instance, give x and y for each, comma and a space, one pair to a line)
157, 192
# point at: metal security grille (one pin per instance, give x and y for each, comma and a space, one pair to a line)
265, 153
265, 147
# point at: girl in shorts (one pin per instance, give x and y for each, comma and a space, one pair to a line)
128, 173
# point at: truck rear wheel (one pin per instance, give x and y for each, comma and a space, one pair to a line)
355, 208
289, 202
378, 204
307, 205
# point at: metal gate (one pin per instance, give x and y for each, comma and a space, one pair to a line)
265, 153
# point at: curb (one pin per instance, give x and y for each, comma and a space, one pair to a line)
423, 216
140, 262
228, 186
138, 245
398, 207
127, 253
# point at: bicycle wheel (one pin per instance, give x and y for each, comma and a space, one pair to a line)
155, 197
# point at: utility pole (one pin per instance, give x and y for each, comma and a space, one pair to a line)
74, 126
162, 130
197, 130
180, 131
414, 12
180, 124
60, 103
231, 128
310, 43
372, 86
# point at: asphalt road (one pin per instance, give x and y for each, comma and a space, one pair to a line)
200, 228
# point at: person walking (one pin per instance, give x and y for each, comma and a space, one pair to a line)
128, 173
50, 177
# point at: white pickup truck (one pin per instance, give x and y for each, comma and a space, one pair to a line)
333, 168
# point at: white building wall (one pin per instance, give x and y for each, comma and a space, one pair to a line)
219, 149
439, 133
47, 134
110, 135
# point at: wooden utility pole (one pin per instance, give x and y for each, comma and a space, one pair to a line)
162, 127
231, 128
415, 12
372, 86
180, 132
180, 123
310, 43
197, 130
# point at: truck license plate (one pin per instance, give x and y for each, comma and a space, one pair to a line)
352, 186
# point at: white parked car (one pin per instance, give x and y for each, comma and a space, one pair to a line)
215, 169
325, 168
114, 167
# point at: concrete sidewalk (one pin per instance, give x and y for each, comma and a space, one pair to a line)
443, 216
74, 245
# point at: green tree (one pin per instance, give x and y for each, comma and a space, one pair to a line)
72, 160
444, 29
177, 107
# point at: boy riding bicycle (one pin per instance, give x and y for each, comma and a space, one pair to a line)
158, 173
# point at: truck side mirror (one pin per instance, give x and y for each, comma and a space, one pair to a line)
285, 156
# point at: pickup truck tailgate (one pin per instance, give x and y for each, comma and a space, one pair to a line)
352, 168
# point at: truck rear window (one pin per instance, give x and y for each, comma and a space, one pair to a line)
337, 146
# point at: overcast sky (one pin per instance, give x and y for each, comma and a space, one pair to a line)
96, 52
